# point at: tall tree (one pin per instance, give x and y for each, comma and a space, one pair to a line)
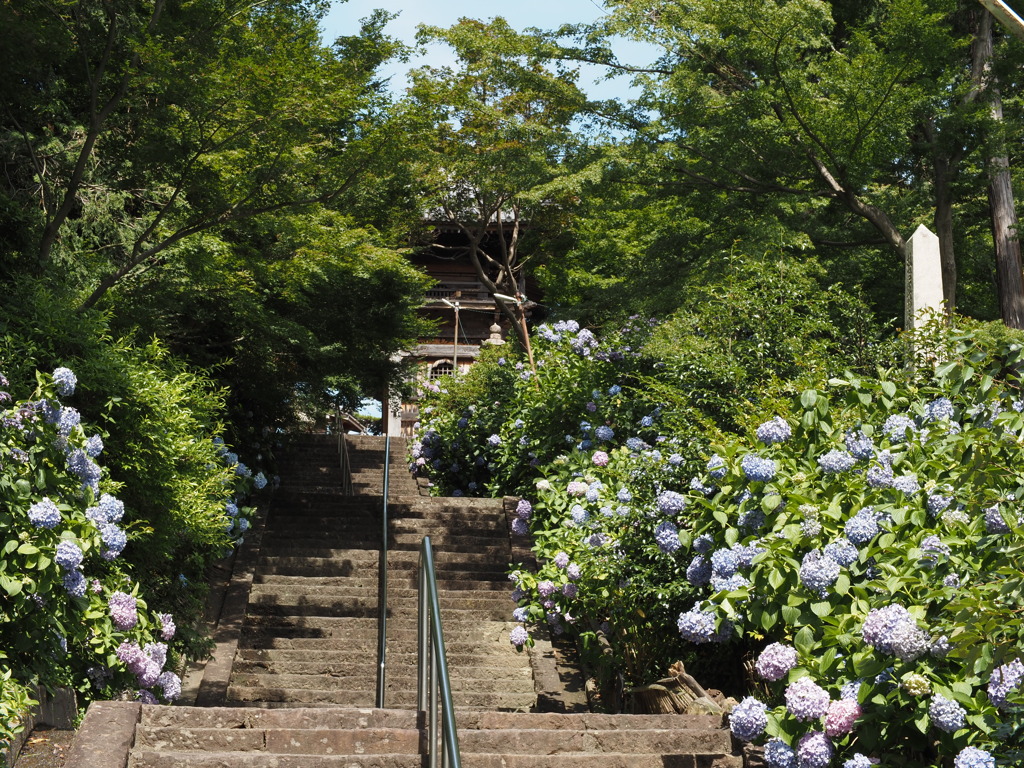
147, 123
500, 149
826, 113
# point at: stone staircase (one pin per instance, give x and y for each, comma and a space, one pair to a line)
293, 681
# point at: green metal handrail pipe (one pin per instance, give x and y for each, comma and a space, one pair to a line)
432, 672
382, 587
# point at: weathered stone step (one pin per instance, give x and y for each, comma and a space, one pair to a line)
298, 682
150, 758
320, 566
402, 580
326, 607
496, 667
154, 759
491, 700
281, 741
322, 548
397, 595
356, 658
401, 629
340, 718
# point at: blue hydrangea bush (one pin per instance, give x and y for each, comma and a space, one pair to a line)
871, 544
488, 432
71, 612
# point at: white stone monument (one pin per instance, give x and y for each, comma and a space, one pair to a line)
924, 278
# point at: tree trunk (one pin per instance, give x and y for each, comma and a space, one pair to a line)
944, 227
1009, 275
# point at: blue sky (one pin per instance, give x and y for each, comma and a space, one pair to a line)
343, 18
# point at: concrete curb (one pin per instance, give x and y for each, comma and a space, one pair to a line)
557, 680
106, 735
213, 687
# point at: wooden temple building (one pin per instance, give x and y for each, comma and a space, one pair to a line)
458, 301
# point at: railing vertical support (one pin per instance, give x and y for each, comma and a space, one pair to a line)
382, 586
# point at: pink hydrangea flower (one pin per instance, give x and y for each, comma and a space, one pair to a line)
600, 459
842, 713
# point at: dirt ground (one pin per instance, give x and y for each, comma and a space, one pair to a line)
45, 748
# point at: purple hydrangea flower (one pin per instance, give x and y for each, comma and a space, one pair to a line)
696, 625
814, 750
64, 380
748, 719
579, 515
570, 590
778, 754
167, 627
604, 433
703, 543
896, 427
881, 624
518, 636
937, 503
171, 685
123, 610
521, 614
573, 571
841, 715
806, 700
576, 488
146, 697
494, 441
728, 583
907, 483
69, 555
561, 560
698, 572
858, 761
880, 476
836, 461
724, 563
994, 522
757, 468
946, 715
635, 444
972, 757
716, 467
524, 509
667, 536
859, 445
775, 661
851, 690
818, 572
624, 495
1003, 681
75, 583
546, 588
938, 409
842, 551
44, 514
94, 446
520, 527
67, 420
862, 527
671, 503
775, 431
114, 540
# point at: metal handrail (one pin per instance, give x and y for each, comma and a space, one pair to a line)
432, 668
346, 465
382, 585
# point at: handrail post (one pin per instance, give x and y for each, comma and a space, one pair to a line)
382, 586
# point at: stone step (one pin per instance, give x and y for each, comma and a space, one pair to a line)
259, 695
280, 741
344, 566
325, 606
397, 595
157, 759
341, 718
358, 666
298, 682
301, 659
401, 580
457, 633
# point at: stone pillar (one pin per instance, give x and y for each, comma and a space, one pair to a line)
923, 287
